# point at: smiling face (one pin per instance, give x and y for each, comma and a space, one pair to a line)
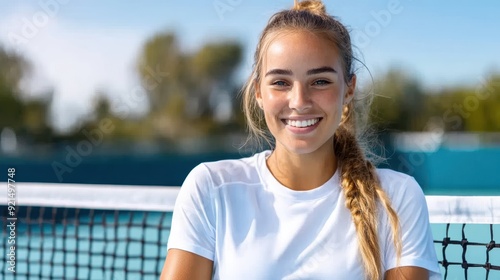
302, 91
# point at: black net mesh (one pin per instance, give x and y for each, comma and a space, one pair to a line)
67, 243
464, 244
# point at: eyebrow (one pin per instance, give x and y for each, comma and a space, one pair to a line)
321, 70
309, 72
278, 72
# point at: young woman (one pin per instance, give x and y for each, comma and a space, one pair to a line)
314, 207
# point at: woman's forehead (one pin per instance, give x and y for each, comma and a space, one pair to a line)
299, 50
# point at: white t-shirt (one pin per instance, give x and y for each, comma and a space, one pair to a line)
235, 213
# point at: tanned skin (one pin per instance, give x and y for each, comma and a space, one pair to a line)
183, 265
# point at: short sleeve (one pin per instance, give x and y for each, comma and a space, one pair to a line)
417, 241
193, 219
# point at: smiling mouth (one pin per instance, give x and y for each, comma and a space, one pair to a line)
301, 123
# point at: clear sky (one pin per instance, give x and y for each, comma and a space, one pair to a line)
79, 47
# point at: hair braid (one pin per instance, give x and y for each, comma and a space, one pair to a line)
360, 198
362, 191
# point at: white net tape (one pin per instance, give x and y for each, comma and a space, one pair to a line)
442, 209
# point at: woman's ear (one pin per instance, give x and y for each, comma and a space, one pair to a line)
351, 86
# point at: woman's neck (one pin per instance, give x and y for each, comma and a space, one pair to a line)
302, 171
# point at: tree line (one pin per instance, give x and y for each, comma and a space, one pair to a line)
194, 95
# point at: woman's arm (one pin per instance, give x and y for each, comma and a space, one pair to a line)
407, 273
184, 265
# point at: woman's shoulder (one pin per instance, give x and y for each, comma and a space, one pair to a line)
397, 183
386, 174
227, 171
404, 192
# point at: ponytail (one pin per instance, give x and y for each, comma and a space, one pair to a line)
362, 191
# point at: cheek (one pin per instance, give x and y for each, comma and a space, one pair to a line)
274, 105
330, 102
273, 102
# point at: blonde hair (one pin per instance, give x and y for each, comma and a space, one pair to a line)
359, 181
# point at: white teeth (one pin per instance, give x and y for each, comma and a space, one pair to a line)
304, 123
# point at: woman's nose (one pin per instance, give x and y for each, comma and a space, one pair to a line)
299, 99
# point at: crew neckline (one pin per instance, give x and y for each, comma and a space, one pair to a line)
270, 182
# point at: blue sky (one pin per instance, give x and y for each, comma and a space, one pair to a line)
83, 46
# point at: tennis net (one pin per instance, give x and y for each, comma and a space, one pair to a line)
464, 229
86, 232
66, 231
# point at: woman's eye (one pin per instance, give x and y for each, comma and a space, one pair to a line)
322, 82
279, 83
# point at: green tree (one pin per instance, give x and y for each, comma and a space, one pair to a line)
400, 103
486, 117
13, 68
184, 89
470, 108
27, 117
214, 66
162, 69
